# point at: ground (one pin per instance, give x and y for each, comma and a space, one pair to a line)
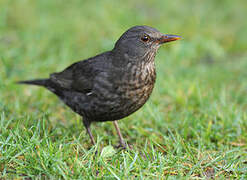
193, 126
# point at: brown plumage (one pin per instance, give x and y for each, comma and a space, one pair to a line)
114, 84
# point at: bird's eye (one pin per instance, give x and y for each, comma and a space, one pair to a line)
145, 38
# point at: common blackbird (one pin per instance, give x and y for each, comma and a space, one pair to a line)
111, 85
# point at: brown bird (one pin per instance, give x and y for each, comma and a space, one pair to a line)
111, 85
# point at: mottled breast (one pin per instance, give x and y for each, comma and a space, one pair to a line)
123, 94
139, 86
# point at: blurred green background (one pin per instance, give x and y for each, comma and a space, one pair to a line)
194, 125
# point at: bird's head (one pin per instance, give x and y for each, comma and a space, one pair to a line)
139, 42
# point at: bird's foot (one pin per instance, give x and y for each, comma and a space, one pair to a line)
123, 146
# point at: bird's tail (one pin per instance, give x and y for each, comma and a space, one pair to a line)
47, 83
38, 82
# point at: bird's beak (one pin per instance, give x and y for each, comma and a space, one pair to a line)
168, 38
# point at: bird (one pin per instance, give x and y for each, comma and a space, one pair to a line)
111, 85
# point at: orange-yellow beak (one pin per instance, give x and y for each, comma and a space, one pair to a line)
168, 38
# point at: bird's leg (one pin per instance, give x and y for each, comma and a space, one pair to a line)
87, 126
121, 140
91, 136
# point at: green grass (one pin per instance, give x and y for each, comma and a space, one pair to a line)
193, 126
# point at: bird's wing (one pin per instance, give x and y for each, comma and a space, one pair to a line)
80, 76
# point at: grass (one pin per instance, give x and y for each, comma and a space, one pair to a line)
193, 126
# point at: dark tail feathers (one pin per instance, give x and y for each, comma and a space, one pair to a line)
38, 82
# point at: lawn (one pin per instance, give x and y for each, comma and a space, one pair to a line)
194, 125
